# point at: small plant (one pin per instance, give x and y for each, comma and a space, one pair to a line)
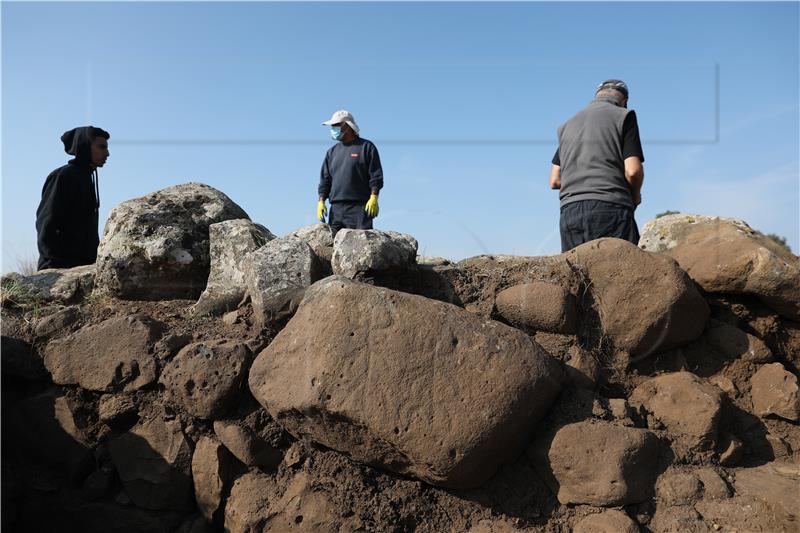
665, 213
781, 241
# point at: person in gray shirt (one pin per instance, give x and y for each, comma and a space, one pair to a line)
598, 171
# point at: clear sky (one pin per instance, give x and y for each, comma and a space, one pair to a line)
462, 100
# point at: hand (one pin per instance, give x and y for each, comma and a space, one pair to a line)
637, 199
372, 206
321, 211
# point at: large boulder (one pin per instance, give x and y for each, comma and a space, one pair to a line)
277, 274
538, 306
775, 391
406, 383
205, 378
154, 461
599, 463
645, 302
114, 355
156, 247
725, 255
359, 253
231, 241
687, 407
64, 285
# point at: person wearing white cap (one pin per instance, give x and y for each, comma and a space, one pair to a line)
598, 171
351, 177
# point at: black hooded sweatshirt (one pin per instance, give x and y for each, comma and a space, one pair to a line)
66, 220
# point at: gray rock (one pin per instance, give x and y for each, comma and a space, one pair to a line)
397, 386
157, 246
318, 236
277, 274
206, 378
153, 461
231, 241
65, 285
111, 356
359, 252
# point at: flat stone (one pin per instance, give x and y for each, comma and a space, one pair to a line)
774, 391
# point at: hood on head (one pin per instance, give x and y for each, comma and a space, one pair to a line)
78, 142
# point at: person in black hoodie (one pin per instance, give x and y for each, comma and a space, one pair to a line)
66, 220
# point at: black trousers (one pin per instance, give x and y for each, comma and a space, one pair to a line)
349, 215
586, 220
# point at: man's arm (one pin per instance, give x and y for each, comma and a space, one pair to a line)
325, 180
555, 177
633, 156
555, 171
375, 169
634, 175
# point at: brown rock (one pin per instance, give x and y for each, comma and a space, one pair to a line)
212, 471
113, 355
646, 303
206, 378
398, 387
609, 521
734, 343
583, 368
115, 407
774, 391
153, 461
60, 320
687, 407
740, 514
21, 360
731, 449
569, 463
727, 256
777, 484
538, 306
714, 487
245, 445
678, 488
248, 507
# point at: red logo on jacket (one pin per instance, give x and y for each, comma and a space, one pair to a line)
353, 155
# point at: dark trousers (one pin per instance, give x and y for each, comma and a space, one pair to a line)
586, 220
349, 215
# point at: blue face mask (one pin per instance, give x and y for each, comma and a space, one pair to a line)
336, 133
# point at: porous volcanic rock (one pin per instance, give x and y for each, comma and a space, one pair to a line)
725, 255
598, 463
113, 355
156, 247
64, 285
205, 378
230, 242
413, 385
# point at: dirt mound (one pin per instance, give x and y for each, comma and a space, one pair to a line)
136, 416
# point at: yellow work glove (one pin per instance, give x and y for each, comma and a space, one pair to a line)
321, 211
372, 206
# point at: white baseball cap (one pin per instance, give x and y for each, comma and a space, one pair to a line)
340, 116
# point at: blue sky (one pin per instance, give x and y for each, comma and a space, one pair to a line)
462, 99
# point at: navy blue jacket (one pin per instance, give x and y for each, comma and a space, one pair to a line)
350, 171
